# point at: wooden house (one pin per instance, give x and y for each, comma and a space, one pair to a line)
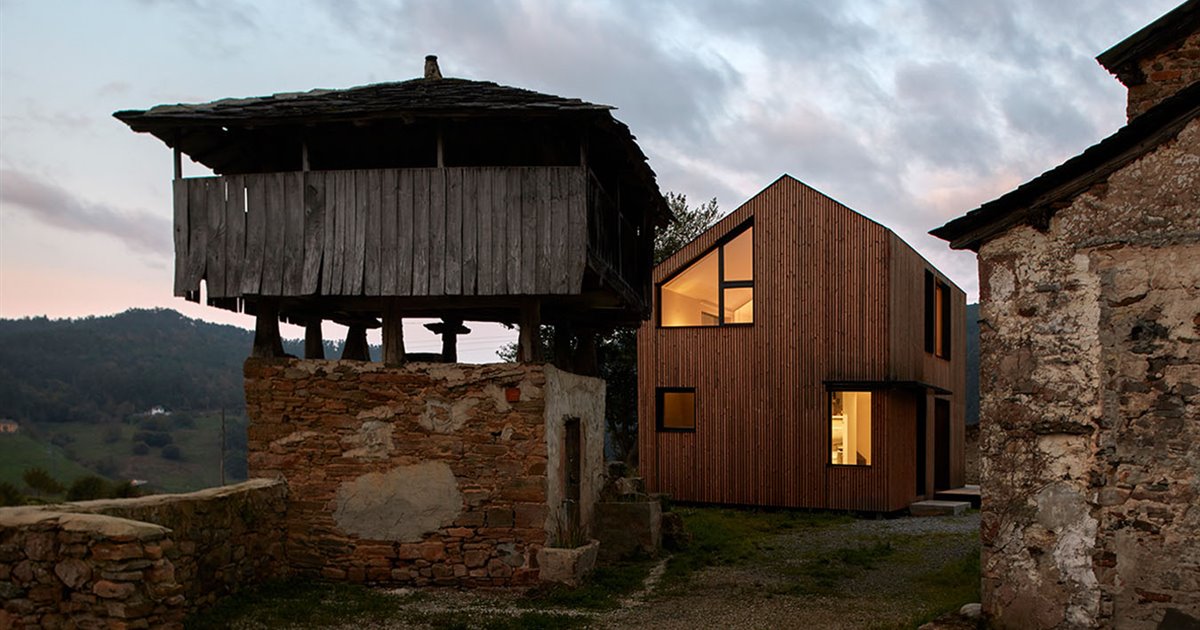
434, 197
801, 355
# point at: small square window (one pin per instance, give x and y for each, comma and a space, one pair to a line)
676, 409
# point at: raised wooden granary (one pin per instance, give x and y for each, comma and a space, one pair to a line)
433, 197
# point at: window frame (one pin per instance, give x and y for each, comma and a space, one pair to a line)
933, 315
658, 408
857, 389
722, 284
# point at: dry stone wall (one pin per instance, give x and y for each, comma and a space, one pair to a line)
137, 563
1090, 432
420, 474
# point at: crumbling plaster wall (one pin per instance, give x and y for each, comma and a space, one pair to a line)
419, 474
573, 396
1090, 432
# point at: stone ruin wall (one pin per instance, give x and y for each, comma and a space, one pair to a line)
1090, 350
137, 563
1166, 73
422, 474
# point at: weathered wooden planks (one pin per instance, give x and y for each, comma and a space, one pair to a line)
373, 237
420, 244
387, 240
452, 271
404, 233
293, 242
179, 190
314, 233
392, 232
235, 234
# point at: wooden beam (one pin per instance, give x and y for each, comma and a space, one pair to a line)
314, 342
356, 348
393, 334
267, 343
529, 343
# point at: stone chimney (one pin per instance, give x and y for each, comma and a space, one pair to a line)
431, 67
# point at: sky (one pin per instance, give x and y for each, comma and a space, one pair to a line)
911, 112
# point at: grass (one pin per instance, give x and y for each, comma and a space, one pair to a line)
904, 579
21, 451
199, 468
298, 604
309, 604
603, 591
722, 536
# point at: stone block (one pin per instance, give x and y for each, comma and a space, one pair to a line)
113, 590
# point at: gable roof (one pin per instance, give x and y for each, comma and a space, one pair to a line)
1036, 201
1161, 34
422, 98
399, 99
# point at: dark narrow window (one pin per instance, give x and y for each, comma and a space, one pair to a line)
937, 316
929, 311
676, 408
943, 321
715, 290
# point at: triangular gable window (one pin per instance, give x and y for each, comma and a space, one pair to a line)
715, 290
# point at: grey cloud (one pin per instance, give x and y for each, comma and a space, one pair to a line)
575, 50
1036, 113
58, 207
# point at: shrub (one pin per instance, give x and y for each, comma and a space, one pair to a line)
125, 490
172, 453
153, 438
112, 434
41, 482
88, 488
10, 495
141, 448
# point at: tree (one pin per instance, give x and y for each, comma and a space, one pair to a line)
141, 448
688, 224
41, 482
172, 453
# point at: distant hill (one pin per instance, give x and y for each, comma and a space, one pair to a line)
98, 369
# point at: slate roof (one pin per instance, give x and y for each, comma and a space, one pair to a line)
416, 97
1037, 200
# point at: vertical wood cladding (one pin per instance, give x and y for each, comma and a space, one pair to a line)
825, 302
391, 232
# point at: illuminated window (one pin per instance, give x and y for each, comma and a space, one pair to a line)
937, 316
676, 409
716, 290
850, 428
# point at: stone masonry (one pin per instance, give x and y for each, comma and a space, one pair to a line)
421, 474
1090, 367
137, 563
1165, 74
